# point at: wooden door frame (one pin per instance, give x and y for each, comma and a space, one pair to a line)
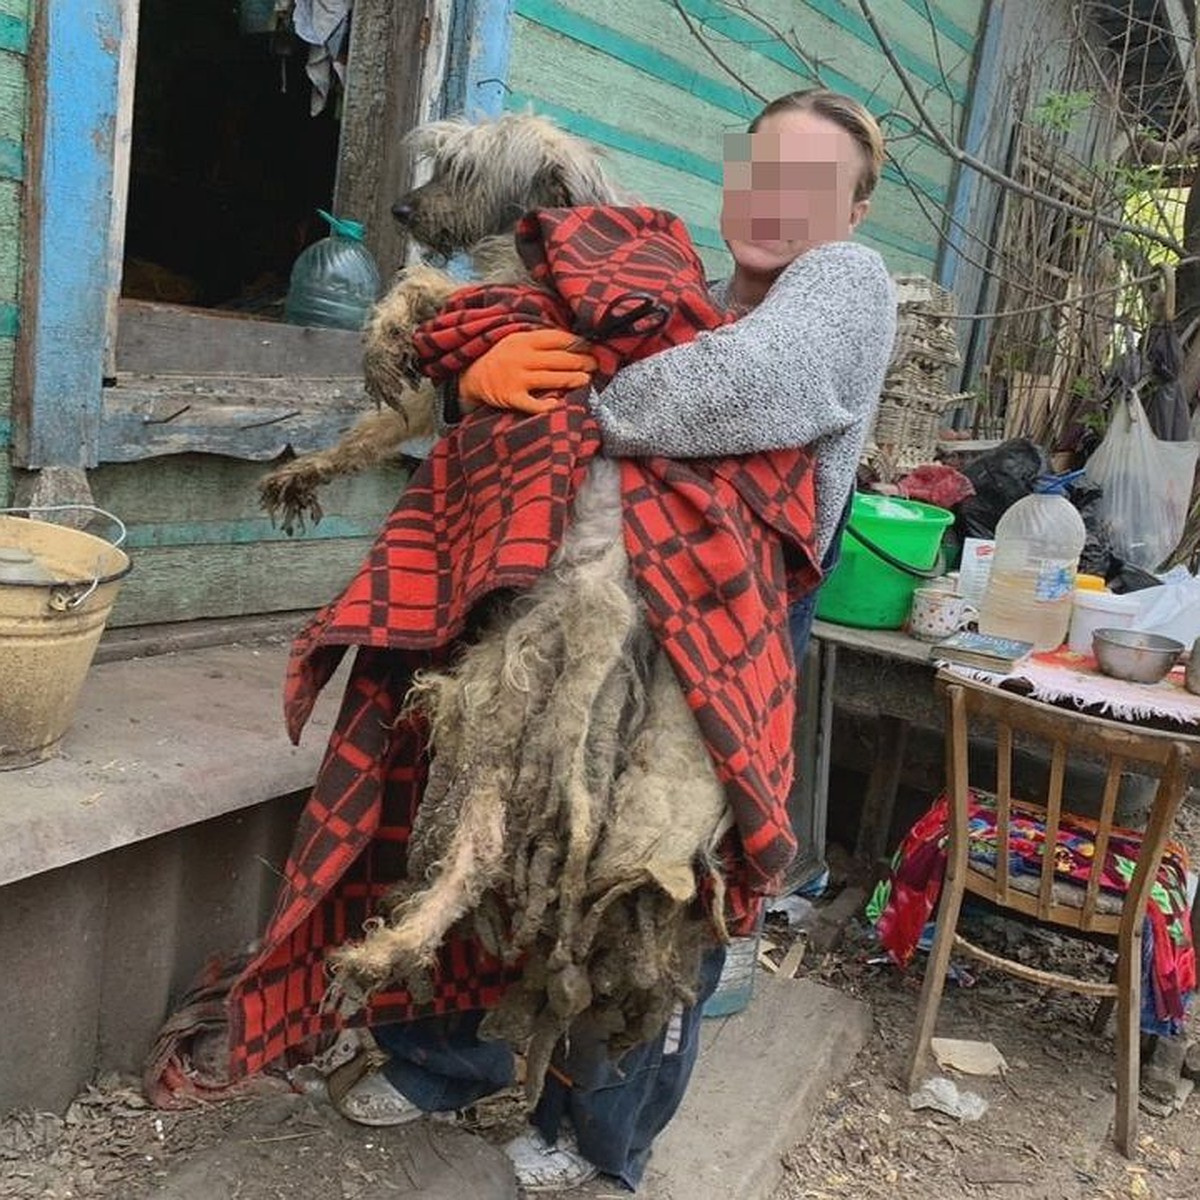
81, 88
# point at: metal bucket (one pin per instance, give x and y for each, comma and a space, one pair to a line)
49, 630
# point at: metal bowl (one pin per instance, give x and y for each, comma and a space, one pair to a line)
1138, 657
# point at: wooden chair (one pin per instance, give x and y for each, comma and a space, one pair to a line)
1082, 910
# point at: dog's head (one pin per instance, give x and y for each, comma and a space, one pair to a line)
486, 175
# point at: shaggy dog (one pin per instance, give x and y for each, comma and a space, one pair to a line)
483, 178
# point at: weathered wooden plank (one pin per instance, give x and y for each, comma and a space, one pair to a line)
200, 490
10, 241
663, 120
122, 150
14, 29
164, 339
255, 419
388, 43
187, 583
8, 349
768, 64
487, 49
12, 98
68, 280
196, 507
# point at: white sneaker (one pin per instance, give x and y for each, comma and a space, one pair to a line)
374, 1101
541, 1167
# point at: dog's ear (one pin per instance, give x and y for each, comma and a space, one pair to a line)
569, 183
549, 188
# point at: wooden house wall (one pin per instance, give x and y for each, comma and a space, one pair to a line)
628, 76
1025, 49
631, 77
14, 46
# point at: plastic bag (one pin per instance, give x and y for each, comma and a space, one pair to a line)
1000, 478
1147, 485
1173, 608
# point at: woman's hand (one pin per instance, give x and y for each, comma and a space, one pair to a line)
546, 361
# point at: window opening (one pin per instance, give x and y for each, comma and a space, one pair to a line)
228, 165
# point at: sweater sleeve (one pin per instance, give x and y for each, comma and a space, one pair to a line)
809, 361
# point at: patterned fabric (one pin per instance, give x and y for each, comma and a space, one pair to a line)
715, 547
903, 904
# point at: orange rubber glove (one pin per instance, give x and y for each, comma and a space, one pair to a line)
547, 361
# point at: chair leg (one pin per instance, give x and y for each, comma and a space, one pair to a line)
1104, 1007
935, 980
1129, 1013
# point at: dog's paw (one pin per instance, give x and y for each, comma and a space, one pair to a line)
289, 496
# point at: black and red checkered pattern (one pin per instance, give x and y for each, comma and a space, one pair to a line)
715, 546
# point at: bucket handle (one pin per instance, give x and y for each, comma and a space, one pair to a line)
938, 569
66, 596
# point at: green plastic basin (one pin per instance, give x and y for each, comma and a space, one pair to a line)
865, 590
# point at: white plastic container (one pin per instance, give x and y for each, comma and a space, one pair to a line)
1032, 581
1099, 610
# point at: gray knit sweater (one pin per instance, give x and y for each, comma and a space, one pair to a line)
803, 368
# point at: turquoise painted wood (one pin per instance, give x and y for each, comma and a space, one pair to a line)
67, 301
631, 78
14, 45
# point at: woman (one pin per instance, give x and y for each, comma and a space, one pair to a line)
801, 366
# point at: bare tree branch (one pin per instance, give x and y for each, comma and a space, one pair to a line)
989, 172
694, 30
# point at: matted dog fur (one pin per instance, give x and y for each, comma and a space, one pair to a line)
484, 177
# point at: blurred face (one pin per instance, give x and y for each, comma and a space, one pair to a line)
789, 186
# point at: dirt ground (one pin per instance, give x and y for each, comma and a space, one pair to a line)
1044, 1135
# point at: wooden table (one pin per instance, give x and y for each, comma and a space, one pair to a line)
883, 674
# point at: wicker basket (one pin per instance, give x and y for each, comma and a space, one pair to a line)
915, 392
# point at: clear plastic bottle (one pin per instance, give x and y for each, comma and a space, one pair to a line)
1038, 543
334, 282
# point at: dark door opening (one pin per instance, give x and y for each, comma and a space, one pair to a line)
227, 166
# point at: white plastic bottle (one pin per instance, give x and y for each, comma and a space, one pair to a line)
1032, 582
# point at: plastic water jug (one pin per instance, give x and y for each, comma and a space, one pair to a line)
335, 282
1032, 583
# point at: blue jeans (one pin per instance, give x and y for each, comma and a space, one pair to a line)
617, 1108
801, 614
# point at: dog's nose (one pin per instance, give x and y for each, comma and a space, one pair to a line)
402, 212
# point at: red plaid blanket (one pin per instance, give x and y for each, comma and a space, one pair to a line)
715, 547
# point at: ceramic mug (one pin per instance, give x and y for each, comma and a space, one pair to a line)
936, 614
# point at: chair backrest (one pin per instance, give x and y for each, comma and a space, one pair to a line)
1118, 746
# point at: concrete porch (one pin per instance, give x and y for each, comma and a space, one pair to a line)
152, 842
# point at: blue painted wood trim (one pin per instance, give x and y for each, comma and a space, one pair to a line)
477, 76
5, 433
10, 320
12, 159
966, 182
70, 285
14, 34
739, 29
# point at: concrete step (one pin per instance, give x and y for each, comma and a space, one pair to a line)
760, 1081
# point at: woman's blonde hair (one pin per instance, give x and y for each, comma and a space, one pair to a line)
844, 111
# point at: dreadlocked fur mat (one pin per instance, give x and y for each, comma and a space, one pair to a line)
569, 802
